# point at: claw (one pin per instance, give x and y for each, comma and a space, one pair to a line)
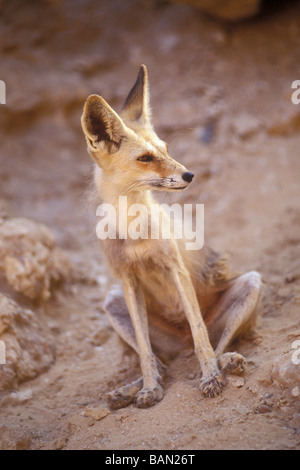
148, 397
211, 384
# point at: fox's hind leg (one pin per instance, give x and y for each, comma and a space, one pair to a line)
233, 315
119, 317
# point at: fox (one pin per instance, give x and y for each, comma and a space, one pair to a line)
169, 297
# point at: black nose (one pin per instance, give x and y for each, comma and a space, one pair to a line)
188, 176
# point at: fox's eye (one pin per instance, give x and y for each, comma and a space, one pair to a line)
145, 158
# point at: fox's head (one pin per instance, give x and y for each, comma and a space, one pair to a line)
126, 146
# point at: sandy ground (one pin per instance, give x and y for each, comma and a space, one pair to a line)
221, 97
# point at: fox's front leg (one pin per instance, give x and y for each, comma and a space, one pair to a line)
152, 391
212, 378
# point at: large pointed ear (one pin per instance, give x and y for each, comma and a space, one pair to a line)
136, 106
101, 125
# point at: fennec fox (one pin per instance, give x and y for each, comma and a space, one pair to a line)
169, 295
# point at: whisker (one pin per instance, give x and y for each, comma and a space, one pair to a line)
140, 183
131, 186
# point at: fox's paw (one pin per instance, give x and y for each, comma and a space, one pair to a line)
148, 397
124, 396
211, 384
232, 363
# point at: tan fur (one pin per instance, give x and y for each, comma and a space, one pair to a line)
169, 295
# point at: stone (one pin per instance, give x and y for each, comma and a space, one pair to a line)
286, 371
236, 382
29, 258
101, 335
13, 438
245, 125
285, 122
263, 408
295, 422
21, 397
96, 413
228, 10
29, 350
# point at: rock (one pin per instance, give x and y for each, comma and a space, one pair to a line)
60, 443
253, 388
236, 382
21, 397
285, 122
28, 346
29, 259
295, 422
245, 125
13, 438
263, 408
191, 376
286, 372
75, 423
228, 10
101, 335
97, 413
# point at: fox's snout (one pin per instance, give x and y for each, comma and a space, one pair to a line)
188, 176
